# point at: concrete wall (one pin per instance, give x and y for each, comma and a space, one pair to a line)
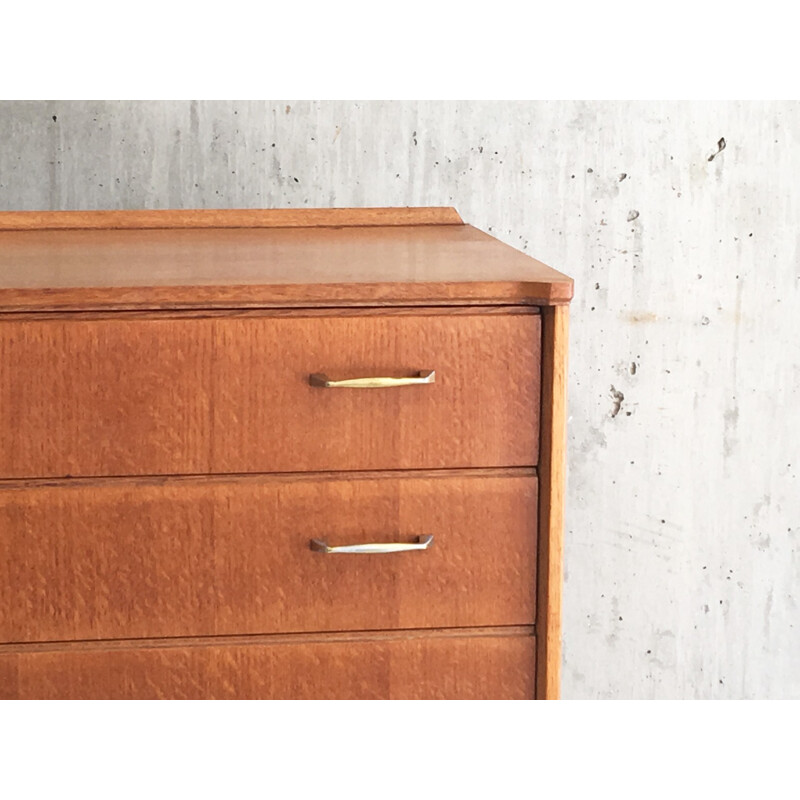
683, 518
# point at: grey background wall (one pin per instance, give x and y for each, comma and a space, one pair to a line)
683, 510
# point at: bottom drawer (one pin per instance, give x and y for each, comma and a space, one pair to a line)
417, 666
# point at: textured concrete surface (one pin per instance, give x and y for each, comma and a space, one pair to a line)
683, 518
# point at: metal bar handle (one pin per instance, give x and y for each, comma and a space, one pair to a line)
322, 380
422, 543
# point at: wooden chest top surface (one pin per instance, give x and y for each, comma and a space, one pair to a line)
51, 261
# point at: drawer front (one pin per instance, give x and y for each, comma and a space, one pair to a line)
436, 667
184, 394
181, 557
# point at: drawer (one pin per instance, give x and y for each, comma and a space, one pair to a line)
194, 557
473, 665
170, 394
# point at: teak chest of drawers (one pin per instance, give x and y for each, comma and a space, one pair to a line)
278, 454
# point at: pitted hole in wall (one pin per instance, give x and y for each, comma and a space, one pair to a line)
721, 145
617, 398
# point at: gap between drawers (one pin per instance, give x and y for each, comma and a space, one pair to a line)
21, 648
257, 477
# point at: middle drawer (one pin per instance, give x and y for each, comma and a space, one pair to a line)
199, 557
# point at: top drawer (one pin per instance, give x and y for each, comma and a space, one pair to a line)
230, 393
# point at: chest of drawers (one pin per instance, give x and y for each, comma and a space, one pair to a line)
278, 454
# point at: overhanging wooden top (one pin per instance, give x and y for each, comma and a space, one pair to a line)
227, 218
72, 261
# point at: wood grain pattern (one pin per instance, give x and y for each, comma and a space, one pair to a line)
448, 667
218, 395
279, 267
552, 473
226, 218
123, 560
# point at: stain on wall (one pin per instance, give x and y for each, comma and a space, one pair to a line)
679, 223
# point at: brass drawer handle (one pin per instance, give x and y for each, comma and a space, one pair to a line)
422, 543
322, 380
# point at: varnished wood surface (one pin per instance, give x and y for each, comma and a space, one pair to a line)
123, 560
465, 667
217, 395
263, 267
226, 218
551, 507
